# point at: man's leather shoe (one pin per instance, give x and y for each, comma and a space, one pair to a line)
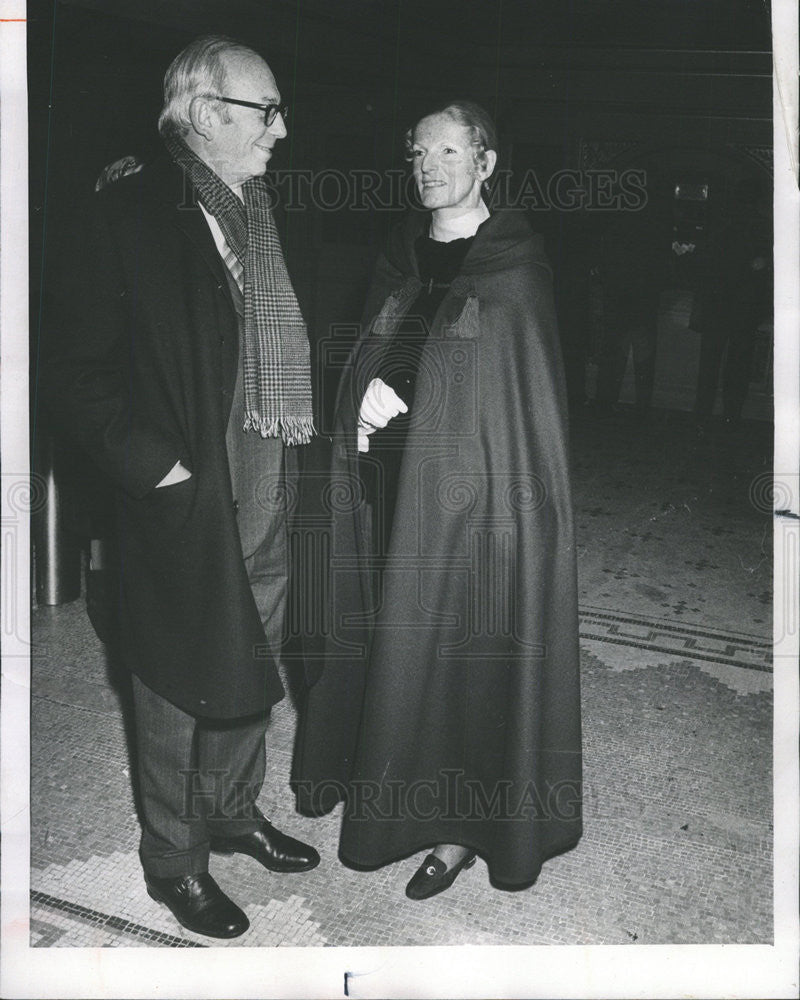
275, 850
199, 904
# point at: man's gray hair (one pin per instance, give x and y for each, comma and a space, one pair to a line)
197, 71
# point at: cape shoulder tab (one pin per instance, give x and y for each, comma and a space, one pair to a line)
395, 307
467, 324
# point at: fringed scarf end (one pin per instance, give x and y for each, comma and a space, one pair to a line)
293, 430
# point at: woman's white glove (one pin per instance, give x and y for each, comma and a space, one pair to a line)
379, 405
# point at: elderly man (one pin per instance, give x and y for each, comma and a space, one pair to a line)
182, 366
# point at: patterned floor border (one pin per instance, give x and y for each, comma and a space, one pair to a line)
107, 921
710, 645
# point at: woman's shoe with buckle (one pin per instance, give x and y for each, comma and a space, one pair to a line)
433, 876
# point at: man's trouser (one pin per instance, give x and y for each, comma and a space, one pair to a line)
200, 776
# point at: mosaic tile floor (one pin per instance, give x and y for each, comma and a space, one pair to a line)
675, 588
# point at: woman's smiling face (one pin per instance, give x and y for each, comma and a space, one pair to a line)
447, 176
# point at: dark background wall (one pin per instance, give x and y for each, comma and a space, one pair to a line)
681, 87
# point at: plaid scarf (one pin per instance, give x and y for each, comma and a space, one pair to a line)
277, 369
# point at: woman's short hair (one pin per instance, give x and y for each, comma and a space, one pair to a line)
473, 117
197, 71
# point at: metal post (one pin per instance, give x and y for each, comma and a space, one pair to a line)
58, 553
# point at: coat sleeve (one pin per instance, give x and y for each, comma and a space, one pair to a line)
90, 345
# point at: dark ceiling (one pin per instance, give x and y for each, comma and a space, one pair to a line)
399, 47
550, 70
690, 79
482, 24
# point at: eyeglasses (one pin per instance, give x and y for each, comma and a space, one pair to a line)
271, 111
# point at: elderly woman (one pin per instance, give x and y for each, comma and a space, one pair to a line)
447, 712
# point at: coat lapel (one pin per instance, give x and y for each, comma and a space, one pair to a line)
193, 225
181, 208
180, 204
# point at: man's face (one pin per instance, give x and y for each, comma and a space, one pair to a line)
241, 148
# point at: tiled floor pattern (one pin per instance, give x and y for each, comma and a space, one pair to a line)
664, 637
677, 736
103, 930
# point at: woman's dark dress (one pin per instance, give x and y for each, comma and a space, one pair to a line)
448, 706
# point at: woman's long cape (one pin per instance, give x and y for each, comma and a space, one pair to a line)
449, 709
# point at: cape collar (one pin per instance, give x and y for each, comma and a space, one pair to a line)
503, 241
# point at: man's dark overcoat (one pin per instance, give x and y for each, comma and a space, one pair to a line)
447, 708
142, 370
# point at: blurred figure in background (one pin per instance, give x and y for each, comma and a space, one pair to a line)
731, 272
634, 255
573, 249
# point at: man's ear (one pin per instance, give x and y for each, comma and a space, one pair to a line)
486, 168
202, 116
